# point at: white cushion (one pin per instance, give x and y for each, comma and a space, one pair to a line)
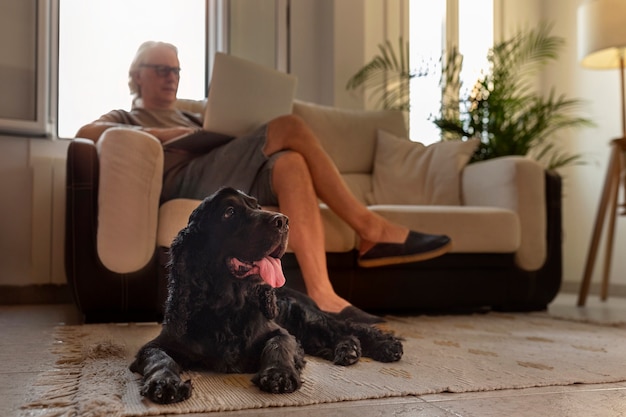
359, 184
349, 136
192, 106
131, 175
472, 229
411, 173
174, 216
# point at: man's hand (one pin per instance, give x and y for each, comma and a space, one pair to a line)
164, 134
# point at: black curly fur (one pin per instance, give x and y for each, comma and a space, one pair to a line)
226, 320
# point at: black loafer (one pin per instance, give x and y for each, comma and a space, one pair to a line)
357, 315
417, 247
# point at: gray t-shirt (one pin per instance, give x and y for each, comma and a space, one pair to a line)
239, 163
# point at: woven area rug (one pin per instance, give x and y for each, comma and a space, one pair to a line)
442, 354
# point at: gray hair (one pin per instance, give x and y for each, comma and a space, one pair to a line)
140, 56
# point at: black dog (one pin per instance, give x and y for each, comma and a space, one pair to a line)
226, 313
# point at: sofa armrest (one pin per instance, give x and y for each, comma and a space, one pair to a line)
131, 175
518, 184
81, 221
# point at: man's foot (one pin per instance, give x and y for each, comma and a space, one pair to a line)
417, 247
357, 315
339, 308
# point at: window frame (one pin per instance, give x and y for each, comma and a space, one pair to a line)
41, 124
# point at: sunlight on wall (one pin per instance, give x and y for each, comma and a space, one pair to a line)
98, 40
427, 38
475, 38
426, 45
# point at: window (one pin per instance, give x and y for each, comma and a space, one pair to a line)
24, 67
472, 32
474, 39
427, 31
98, 40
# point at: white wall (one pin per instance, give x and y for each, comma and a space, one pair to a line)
253, 30
32, 185
15, 210
600, 89
332, 39
582, 185
311, 49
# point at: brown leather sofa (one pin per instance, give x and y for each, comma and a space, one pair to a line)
506, 228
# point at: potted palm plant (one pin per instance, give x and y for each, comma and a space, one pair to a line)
387, 76
501, 109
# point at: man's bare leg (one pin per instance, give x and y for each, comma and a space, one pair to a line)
291, 133
297, 199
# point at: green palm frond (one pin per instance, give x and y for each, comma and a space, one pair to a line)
387, 76
502, 110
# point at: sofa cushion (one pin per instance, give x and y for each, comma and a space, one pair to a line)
359, 184
349, 136
191, 106
408, 172
131, 171
472, 229
174, 215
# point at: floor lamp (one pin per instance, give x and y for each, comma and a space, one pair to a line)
601, 45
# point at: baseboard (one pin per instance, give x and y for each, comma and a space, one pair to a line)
35, 294
615, 290
60, 294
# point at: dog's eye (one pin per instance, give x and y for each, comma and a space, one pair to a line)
229, 212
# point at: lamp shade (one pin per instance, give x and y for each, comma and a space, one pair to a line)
601, 33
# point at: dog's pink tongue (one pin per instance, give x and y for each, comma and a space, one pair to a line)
271, 270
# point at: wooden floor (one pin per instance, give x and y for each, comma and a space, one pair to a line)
26, 334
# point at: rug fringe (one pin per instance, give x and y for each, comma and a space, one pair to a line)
56, 392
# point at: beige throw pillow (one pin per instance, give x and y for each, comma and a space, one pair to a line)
411, 173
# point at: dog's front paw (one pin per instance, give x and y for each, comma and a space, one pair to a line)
390, 350
347, 352
267, 301
165, 388
278, 380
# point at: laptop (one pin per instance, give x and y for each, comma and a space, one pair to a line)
244, 95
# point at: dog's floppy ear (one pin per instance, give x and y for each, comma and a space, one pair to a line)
201, 217
187, 252
177, 311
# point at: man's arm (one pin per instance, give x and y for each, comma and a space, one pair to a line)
94, 130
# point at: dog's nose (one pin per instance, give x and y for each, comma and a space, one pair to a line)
281, 222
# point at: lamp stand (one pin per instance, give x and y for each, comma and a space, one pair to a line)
614, 177
608, 204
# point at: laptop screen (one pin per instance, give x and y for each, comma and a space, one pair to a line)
244, 95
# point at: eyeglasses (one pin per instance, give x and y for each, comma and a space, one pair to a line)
163, 70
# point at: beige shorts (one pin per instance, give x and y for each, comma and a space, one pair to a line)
240, 164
